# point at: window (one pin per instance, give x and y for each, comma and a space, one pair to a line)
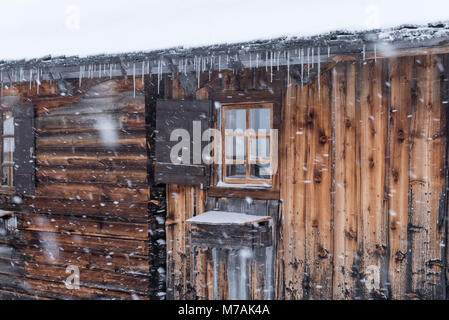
7, 146
247, 143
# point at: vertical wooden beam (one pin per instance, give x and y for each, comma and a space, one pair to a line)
346, 206
426, 180
204, 274
292, 191
398, 182
318, 212
157, 203
373, 150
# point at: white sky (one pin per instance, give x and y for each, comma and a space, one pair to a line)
34, 28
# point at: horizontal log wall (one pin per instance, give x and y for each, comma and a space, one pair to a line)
92, 195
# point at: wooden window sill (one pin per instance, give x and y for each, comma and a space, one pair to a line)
254, 193
6, 214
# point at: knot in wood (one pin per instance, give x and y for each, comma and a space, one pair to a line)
371, 162
317, 177
309, 118
348, 123
401, 135
323, 253
399, 256
323, 139
395, 174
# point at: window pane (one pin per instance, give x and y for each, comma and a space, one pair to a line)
260, 148
260, 171
260, 119
8, 149
235, 148
8, 123
236, 119
7, 176
236, 171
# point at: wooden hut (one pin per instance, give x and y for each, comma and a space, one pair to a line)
340, 191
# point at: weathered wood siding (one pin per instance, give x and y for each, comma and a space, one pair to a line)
191, 271
362, 178
383, 227
91, 208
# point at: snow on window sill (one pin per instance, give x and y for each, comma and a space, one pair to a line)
222, 184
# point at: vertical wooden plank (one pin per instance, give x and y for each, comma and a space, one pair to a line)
398, 184
345, 184
176, 227
292, 192
223, 284
426, 181
257, 274
188, 263
204, 275
318, 214
373, 148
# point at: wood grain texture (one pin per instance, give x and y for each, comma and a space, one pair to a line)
346, 205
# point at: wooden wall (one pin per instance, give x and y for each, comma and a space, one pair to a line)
91, 204
365, 213
193, 272
363, 178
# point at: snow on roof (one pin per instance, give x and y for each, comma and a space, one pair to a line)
226, 218
340, 41
279, 51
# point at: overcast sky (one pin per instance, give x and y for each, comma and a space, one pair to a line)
34, 28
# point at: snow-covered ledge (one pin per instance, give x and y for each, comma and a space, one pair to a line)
6, 214
227, 218
223, 229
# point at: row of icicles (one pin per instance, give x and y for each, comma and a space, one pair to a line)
198, 64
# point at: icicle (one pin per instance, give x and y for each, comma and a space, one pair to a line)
250, 62
308, 62
302, 65
257, 60
364, 52
266, 61
219, 63
271, 66
110, 71
38, 81
288, 68
158, 75
134, 80
328, 51
198, 73
143, 72
319, 74
31, 78
80, 76
313, 56
375, 53
278, 60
